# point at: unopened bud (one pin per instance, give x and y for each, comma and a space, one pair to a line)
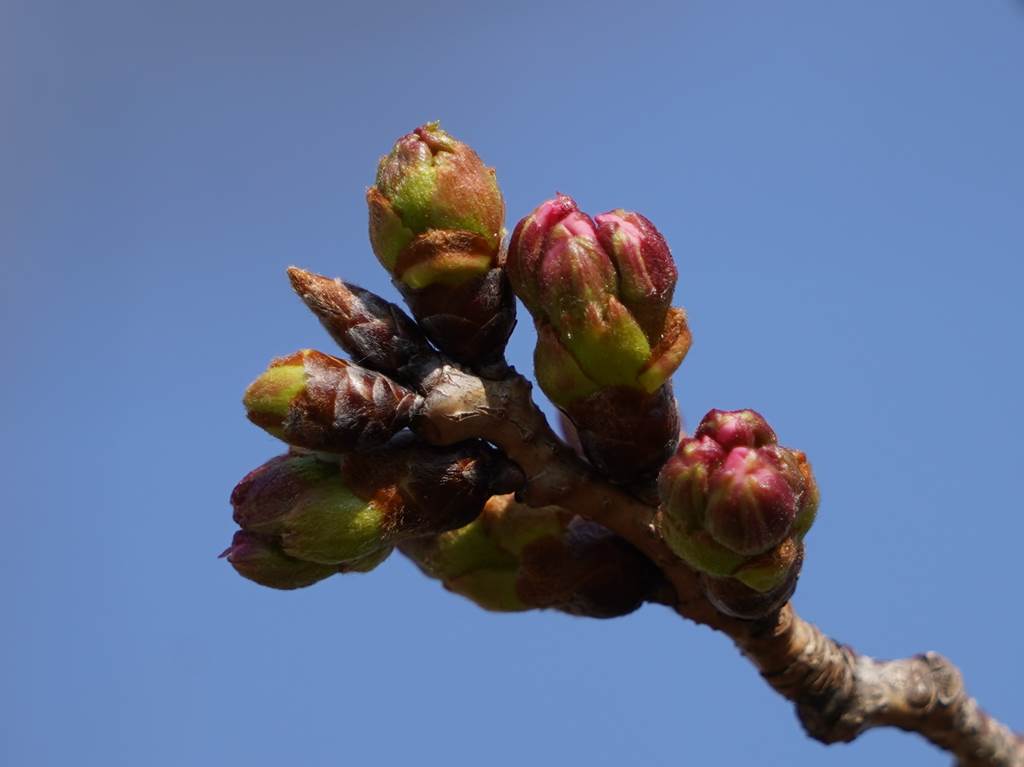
373, 331
435, 189
647, 273
514, 557
751, 507
736, 428
262, 561
599, 294
318, 402
683, 482
436, 218
735, 505
305, 505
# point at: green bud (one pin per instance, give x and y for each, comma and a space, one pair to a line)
303, 504
436, 218
436, 211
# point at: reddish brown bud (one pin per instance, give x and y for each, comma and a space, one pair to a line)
470, 322
427, 489
373, 331
627, 434
318, 402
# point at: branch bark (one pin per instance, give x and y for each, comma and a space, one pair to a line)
838, 693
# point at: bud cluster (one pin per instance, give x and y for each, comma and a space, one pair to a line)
356, 482
608, 340
514, 557
736, 506
436, 225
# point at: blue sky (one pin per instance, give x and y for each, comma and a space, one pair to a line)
842, 185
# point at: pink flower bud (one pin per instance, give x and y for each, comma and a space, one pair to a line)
750, 504
736, 428
684, 481
647, 273
735, 505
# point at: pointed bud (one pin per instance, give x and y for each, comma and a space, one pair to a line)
436, 218
373, 331
262, 561
647, 273
315, 401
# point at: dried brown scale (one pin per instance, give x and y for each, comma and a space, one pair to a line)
472, 321
433, 489
838, 693
622, 413
588, 571
733, 598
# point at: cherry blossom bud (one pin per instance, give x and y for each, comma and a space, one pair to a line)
436, 218
315, 401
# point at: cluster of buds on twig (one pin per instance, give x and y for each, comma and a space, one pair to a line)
514, 557
305, 516
364, 474
608, 339
736, 506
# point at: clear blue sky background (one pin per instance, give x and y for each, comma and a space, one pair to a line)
842, 184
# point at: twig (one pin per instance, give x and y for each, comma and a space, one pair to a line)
838, 693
